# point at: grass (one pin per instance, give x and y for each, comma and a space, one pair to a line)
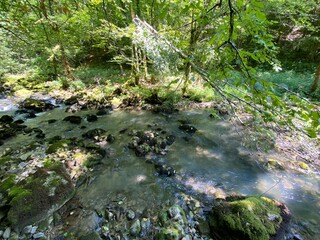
100, 74
296, 77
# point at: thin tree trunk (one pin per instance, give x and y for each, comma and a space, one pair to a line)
316, 80
66, 65
145, 65
194, 35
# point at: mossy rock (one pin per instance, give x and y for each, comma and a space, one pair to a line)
33, 198
62, 144
93, 160
274, 164
254, 218
303, 166
168, 234
36, 105
4, 160
173, 221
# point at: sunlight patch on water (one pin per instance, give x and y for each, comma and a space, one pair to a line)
207, 187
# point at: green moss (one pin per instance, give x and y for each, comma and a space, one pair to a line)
8, 182
303, 166
58, 145
255, 218
20, 198
274, 164
51, 164
17, 194
168, 234
5, 159
92, 160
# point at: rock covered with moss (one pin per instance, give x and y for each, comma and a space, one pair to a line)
36, 105
173, 223
254, 218
30, 199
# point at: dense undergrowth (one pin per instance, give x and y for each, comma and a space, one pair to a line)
100, 81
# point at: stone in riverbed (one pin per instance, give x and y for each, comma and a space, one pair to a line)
135, 228
6, 119
173, 222
36, 105
187, 128
130, 214
94, 133
38, 235
73, 119
7, 233
92, 118
164, 169
91, 236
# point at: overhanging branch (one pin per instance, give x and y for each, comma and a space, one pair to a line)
14, 34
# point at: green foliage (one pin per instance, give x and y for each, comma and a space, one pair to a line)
223, 41
298, 82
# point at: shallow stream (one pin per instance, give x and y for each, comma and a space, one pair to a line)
210, 163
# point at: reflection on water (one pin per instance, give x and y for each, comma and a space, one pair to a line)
210, 162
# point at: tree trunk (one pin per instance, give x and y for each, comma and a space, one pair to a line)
66, 65
316, 80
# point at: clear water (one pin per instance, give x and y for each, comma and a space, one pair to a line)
210, 163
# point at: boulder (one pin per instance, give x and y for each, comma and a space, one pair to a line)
36, 105
92, 118
33, 198
73, 119
94, 133
72, 100
164, 169
187, 128
6, 119
254, 218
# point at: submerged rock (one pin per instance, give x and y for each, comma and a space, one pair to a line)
73, 119
92, 118
164, 169
254, 218
6, 119
94, 133
187, 128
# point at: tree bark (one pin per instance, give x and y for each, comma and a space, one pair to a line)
316, 80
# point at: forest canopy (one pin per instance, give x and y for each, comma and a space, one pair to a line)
223, 42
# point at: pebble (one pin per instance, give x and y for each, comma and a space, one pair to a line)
22, 164
135, 228
38, 235
34, 229
7, 233
131, 215
27, 229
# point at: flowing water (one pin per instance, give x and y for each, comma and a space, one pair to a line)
210, 163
